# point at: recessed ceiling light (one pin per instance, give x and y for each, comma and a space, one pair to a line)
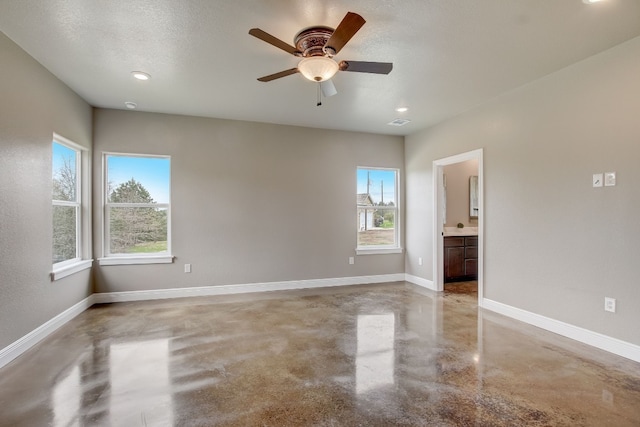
402, 109
131, 105
140, 75
590, 1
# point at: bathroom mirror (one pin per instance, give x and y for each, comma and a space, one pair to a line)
473, 197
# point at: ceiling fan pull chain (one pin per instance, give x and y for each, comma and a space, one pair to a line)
319, 103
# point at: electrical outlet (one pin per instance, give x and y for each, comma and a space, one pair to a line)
609, 179
610, 304
187, 268
420, 260
352, 260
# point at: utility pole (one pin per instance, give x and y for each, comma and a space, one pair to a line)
366, 212
368, 182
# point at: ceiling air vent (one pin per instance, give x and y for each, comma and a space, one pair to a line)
398, 122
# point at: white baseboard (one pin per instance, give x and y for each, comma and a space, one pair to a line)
243, 288
23, 344
595, 339
425, 283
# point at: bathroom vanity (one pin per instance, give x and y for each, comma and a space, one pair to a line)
460, 257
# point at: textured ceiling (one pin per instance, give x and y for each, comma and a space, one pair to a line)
448, 55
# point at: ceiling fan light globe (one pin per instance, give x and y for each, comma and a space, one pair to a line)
318, 68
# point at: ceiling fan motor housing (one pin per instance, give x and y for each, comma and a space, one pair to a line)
311, 41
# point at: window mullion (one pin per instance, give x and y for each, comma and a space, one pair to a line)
138, 205
65, 203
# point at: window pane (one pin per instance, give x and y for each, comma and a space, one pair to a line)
376, 227
64, 173
379, 184
137, 230
64, 233
133, 179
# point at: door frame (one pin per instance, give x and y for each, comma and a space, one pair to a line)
438, 226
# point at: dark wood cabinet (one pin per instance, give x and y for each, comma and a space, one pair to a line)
454, 262
460, 258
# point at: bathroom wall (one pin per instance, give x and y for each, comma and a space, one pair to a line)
457, 180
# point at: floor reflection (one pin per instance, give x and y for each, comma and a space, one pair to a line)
67, 396
375, 356
140, 384
128, 384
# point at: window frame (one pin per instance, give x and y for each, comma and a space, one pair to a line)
396, 248
82, 260
108, 258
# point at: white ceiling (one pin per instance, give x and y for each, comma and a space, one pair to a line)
448, 55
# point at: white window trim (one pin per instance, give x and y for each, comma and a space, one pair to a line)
61, 271
136, 260
387, 249
133, 259
379, 251
83, 260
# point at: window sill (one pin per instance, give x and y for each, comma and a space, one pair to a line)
69, 269
134, 260
378, 251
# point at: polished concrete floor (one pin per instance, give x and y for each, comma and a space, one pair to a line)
377, 355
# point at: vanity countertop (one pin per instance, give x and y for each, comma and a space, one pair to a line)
455, 231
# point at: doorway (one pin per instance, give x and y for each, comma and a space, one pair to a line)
440, 212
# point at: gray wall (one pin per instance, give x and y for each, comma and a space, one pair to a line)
251, 202
33, 105
554, 245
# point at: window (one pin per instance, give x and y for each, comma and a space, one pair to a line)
377, 211
70, 225
137, 209
66, 203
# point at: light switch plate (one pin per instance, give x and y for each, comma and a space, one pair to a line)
610, 179
610, 304
597, 180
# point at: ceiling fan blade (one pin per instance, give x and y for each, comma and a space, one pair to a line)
264, 36
328, 88
349, 25
278, 75
366, 67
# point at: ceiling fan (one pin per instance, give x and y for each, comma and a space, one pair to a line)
317, 46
